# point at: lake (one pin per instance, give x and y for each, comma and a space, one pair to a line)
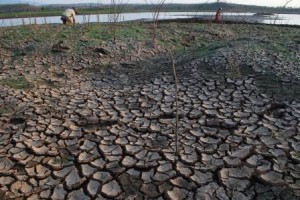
290, 19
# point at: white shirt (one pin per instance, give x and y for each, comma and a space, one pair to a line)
69, 13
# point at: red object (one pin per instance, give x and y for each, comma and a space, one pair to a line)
218, 16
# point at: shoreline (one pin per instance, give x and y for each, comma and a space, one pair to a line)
234, 17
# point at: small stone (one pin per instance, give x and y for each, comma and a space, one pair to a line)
93, 187
85, 157
103, 177
111, 189
99, 163
21, 186
77, 194
182, 169
147, 176
269, 141
197, 133
202, 178
45, 194
88, 145
239, 196
40, 150
264, 166
236, 184
161, 177
73, 180
273, 178
254, 160
42, 172
5, 165
64, 172
6, 180
242, 152
262, 131
178, 194
190, 158
182, 183
242, 172
210, 191
133, 150
150, 190
232, 162
59, 193
87, 170
128, 161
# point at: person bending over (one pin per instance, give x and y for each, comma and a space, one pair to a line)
68, 17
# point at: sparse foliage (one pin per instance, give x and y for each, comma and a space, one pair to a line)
156, 10
116, 7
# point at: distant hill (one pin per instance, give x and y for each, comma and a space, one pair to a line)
11, 10
11, 1
8, 8
3, 2
227, 7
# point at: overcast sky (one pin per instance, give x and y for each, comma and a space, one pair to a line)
294, 3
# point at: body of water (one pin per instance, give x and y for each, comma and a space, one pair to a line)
290, 19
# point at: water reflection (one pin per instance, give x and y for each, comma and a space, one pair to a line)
291, 19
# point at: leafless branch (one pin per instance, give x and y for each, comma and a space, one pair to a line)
176, 103
284, 6
156, 10
117, 7
287, 2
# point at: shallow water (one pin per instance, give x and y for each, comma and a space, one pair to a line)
290, 19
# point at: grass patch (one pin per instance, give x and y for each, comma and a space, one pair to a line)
99, 32
209, 49
124, 31
132, 31
16, 83
3, 110
46, 82
98, 68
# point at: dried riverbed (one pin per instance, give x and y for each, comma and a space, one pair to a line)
89, 119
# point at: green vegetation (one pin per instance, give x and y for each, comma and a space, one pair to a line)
99, 33
46, 82
16, 83
3, 110
193, 40
210, 48
298, 183
132, 32
196, 37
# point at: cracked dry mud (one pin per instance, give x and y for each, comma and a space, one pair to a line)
81, 142
95, 139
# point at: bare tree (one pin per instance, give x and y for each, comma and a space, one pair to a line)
284, 6
156, 9
176, 103
116, 7
99, 4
